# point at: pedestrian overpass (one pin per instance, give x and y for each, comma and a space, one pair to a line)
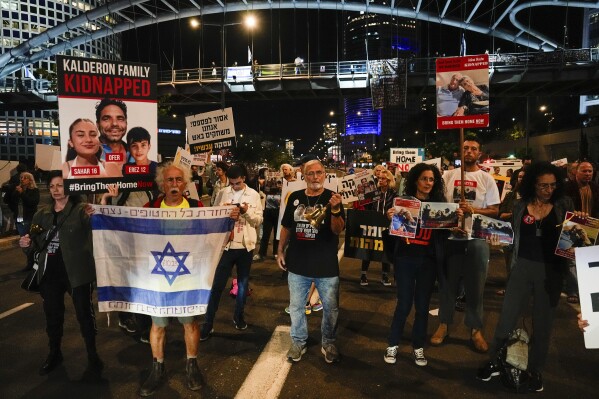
563, 72
511, 20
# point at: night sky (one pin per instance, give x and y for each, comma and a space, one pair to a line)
314, 35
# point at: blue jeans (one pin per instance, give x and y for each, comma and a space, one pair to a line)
328, 289
414, 277
242, 258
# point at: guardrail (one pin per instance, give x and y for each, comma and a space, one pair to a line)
359, 69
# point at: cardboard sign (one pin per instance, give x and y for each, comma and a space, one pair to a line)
587, 269
405, 158
213, 130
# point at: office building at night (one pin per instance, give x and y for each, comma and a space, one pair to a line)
28, 105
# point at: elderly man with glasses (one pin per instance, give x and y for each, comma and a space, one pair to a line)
312, 257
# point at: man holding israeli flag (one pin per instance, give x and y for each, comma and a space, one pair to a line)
161, 262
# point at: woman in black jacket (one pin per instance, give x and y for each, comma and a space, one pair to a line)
416, 262
61, 233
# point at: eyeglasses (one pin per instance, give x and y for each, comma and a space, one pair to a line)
427, 179
317, 173
545, 186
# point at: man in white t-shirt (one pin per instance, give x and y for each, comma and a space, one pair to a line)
467, 258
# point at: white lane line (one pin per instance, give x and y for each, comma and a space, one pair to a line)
340, 252
265, 380
15, 310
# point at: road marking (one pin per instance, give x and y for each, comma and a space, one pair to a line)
340, 252
265, 380
15, 310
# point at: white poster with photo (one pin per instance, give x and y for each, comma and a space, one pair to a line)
587, 269
108, 124
359, 187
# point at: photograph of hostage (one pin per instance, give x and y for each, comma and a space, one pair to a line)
475, 100
111, 118
449, 96
83, 155
139, 144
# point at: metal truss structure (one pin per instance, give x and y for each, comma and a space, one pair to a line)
497, 18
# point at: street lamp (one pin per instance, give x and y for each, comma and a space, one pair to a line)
249, 21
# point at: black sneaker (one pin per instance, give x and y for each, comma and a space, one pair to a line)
385, 280
240, 323
535, 384
193, 375
363, 280
206, 332
487, 372
128, 325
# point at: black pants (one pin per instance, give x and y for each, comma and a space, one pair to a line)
52, 290
269, 224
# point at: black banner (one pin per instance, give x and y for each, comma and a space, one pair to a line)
366, 235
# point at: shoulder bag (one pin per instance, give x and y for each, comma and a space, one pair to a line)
31, 281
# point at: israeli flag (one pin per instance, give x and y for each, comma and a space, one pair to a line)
157, 261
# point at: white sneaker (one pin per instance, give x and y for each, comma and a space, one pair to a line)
419, 358
391, 355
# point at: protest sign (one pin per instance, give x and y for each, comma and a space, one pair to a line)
576, 232
184, 159
484, 227
108, 124
462, 86
434, 161
45, 154
359, 187
405, 218
560, 162
587, 270
214, 130
405, 158
364, 235
439, 215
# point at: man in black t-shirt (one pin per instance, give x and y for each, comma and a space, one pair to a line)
312, 257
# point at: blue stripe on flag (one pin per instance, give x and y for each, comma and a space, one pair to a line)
153, 298
162, 226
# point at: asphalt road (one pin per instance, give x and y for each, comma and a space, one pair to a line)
227, 358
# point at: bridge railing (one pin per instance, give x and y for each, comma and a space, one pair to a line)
359, 68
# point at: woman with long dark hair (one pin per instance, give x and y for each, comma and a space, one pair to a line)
535, 271
61, 233
416, 261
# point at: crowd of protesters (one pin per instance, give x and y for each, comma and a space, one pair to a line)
306, 252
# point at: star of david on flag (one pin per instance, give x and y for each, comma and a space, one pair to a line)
169, 253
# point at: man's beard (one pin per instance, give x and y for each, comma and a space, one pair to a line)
315, 186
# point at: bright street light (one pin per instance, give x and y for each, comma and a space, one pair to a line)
250, 21
543, 108
194, 23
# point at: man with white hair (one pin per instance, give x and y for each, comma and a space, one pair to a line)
172, 181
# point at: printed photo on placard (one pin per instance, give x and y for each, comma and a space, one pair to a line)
359, 187
484, 227
576, 233
439, 215
108, 124
405, 219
